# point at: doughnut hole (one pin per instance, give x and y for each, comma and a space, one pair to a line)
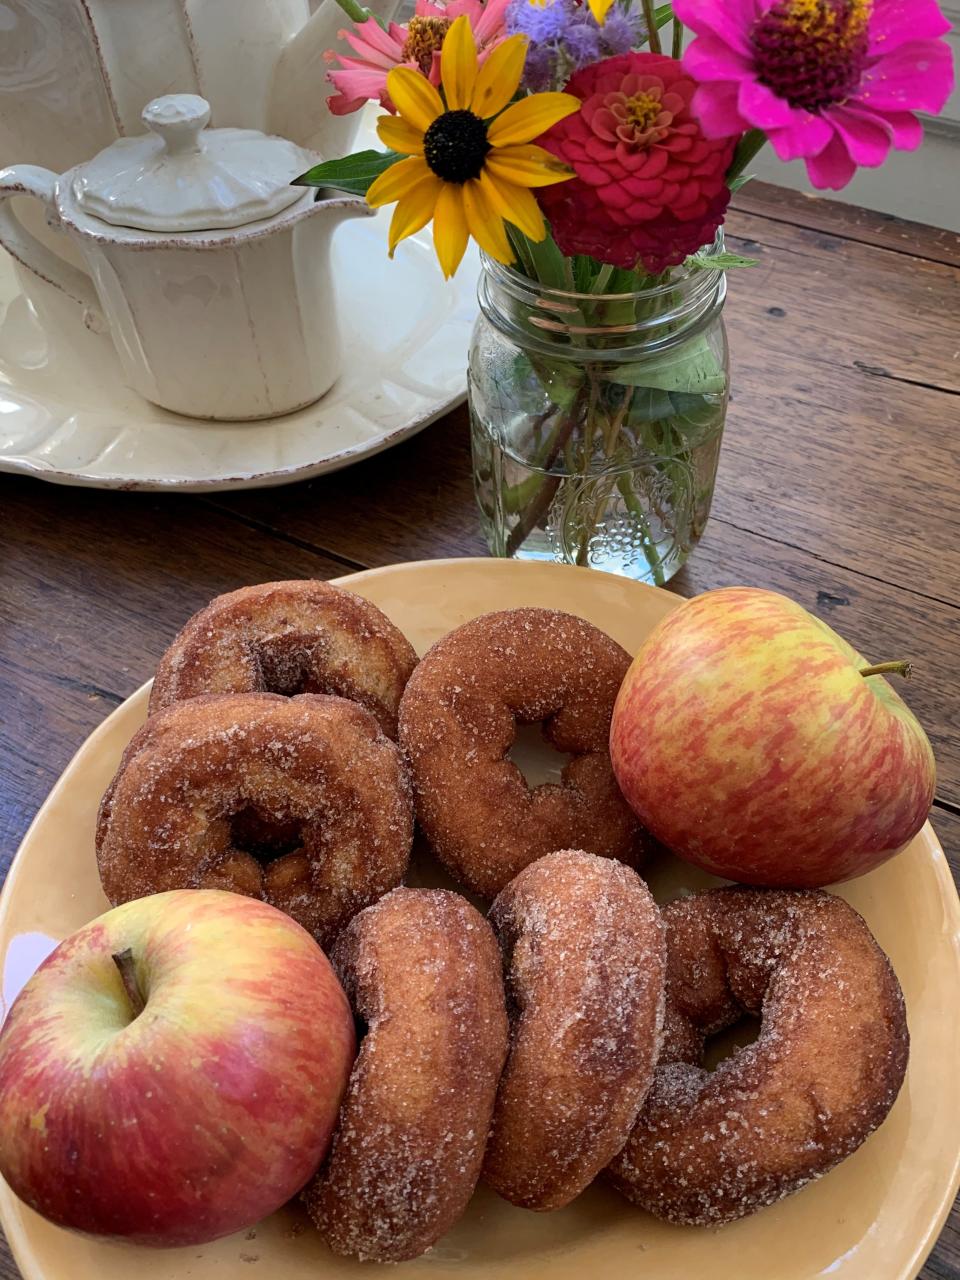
264, 838
292, 664
360, 1028
726, 1043
248, 851
537, 758
285, 664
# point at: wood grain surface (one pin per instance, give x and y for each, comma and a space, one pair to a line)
839, 484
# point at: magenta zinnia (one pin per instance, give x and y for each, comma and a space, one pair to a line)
650, 188
835, 82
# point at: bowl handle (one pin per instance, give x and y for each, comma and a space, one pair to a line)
30, 180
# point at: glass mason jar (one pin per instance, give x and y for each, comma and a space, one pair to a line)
596, 418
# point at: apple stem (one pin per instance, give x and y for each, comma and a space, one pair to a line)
128, 973
904, 669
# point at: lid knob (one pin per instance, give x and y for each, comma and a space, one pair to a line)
181, 177
179, 119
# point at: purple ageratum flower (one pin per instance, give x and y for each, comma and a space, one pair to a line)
538, 70
621, 32
565, 36
540, 23
582, 43
834, 82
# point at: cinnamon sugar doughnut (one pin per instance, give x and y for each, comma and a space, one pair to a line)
584, 959
300, 801
458, 719
710, 1147
422, 970
287, 638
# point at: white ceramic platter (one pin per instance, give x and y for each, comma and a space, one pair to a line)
66, 417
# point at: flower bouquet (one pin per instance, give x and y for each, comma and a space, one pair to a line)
594, 170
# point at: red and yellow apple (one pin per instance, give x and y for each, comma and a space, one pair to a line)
173, 1071
748, 739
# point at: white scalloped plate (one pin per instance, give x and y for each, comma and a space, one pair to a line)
875, 1217
66, 417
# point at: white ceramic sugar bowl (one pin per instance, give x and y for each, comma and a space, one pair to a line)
211, 272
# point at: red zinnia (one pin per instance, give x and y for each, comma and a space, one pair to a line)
650, 188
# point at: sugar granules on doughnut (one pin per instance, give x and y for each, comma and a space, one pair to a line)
584, 959
710, 1147
422, 970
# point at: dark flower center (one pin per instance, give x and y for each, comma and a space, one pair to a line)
455, 146
424, 39
812, 52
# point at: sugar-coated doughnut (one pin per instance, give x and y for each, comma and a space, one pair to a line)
293, 637
584, 958
458, 719
422, 971
303, 802
710, 1147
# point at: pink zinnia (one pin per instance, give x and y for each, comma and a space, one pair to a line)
835, 82
416, 45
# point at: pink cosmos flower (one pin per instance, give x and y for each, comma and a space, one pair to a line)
835, 82
416, 45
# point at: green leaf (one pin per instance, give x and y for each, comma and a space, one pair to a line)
585, 272
541, 259
521, 247
623, 280
704, 260
696, 418
736, 183
551, 267
354, 174
692, 368
662, 15
562, 382
650, 405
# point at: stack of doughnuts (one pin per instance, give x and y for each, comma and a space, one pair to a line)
293, 741
267, 764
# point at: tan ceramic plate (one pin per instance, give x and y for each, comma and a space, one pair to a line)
874, 1218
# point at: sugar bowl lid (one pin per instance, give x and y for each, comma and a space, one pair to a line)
182, 176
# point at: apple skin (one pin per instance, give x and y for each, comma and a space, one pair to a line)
206, 1112
746, 740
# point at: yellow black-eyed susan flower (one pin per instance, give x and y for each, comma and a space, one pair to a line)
471, 160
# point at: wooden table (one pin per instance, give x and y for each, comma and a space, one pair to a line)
839, 484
